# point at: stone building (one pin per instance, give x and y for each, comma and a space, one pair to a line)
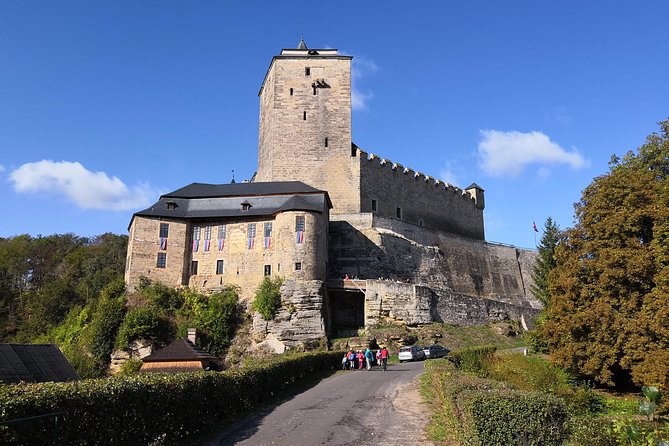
357, 237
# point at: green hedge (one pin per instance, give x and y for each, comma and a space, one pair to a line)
144, 408
473, 359
484, 412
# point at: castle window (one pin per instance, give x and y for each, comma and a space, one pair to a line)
307, 71
354, 152
221, 236
299, 229
398, 212
268, 270
196, 238
314, 91
220, 266
291, 91
326, 142
246, 206
421, 222
304, 116
375, 207
207, 238
251, 235
161, 262
193, 268
164, 229
171, 205
298, 266
267, 239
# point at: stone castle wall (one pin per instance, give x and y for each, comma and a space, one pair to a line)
143, 249
371, 247
242, 267
294, 127
423, 200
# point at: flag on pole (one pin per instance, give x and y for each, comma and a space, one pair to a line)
252, 241
163, 243
196, 245
300, 237
267, 242
534, 225
221, 244
206, 245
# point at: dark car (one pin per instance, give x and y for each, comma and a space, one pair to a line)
435, 351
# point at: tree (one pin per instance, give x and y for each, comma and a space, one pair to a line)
608, 318
545, 260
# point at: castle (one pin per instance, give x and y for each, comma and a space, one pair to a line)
357, 238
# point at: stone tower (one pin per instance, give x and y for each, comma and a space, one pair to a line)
305, 124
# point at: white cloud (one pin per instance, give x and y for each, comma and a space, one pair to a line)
88, 190
448, 174
507, 153
360, 69
2, 168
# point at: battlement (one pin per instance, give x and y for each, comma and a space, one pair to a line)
397, 167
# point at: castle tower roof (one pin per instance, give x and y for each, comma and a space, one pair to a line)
302, 45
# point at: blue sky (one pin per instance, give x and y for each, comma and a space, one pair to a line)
106, 105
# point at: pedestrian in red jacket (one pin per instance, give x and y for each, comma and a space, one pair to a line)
361, 359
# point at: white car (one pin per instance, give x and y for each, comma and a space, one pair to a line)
412, 353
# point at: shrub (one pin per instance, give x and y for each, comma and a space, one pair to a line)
268, 297
104, 326
590, 431
142, 408
142, 323
473, 359
478, 411
162, 297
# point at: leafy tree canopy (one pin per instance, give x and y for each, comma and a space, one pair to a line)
608, 318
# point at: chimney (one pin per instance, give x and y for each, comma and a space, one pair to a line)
192, 335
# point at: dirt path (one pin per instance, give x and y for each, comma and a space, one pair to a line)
351, 408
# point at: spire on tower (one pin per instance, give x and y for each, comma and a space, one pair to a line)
302, 45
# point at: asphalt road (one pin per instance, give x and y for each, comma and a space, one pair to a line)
350, 408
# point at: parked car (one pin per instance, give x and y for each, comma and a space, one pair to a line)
412, 353
435, 351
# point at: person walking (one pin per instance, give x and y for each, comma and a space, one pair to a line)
344, 361
378, 357
384, 357
369, 357
351, 359
361, 360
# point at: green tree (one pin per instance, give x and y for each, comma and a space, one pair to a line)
268, 297
608, 318
545, 260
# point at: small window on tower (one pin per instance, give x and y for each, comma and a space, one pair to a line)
314, 91
193, 268
268, 270
291, 91
375, 206
307, 71
220, 266
421, 222
304, 116
398, 212
298, 266
326, 142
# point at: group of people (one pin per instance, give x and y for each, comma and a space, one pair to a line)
359, 359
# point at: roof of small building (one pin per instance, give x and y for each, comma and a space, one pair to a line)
180, 350
34, 363
203, 201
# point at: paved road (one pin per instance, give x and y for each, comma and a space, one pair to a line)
351, 408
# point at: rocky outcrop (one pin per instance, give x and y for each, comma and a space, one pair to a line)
137, 349
299, 321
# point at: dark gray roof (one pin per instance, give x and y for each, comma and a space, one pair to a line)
475, 186
180, 350
231, 207
34, 363
215, 201
202, 190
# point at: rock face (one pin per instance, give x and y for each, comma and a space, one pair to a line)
138, 349
299, 321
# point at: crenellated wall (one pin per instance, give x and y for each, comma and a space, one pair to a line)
423, 200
